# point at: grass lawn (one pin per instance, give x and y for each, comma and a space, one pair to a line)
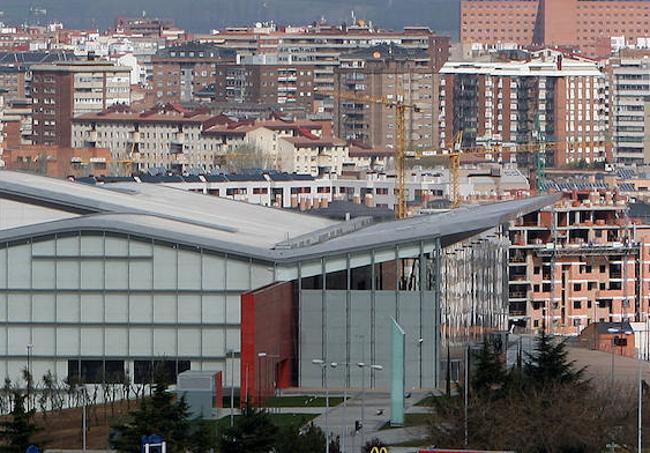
410, 420
279, 420
301, 401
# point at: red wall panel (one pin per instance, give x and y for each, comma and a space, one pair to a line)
268, 325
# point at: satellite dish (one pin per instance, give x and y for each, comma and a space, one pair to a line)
376, 55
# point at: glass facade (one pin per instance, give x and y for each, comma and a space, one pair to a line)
98, 305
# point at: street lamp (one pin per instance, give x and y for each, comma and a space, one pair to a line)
231, 353
323, 366
29, 375
616, 330
363, 393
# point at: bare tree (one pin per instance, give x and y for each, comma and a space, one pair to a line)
247, 157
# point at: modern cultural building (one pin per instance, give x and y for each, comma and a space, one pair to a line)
106, 283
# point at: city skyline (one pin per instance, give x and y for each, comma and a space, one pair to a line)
203, 15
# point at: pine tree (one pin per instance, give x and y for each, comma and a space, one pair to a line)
489, 372
16, 433
548, 364
161, 414
253, 432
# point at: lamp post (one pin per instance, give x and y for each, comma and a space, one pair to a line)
363, 393
29, 376
231, 353
616, 330
323, 366
640, 408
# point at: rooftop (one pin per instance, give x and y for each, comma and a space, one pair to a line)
238, 228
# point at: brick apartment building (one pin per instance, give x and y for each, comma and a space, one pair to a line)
266, 80
179, 72
506, 103
586, 25
63, 90
578, 262
322, 45
15, 72
389, 72
58, 162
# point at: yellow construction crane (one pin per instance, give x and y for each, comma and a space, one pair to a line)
455, 150
400, 108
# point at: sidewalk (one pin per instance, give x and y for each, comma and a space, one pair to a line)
340, 420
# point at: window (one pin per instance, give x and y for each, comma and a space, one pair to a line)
537, 270
147, 371
601, 286
602, 268
577, 286
577, 305
96, 371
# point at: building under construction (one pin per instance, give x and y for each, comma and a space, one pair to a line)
579, 261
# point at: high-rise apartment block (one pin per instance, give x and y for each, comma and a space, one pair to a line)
386, 72
179, 72
322, 45
61, 91
514, 103
586, 25
578, 262
630, 109
266, 80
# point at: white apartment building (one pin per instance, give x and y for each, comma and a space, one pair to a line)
630, 96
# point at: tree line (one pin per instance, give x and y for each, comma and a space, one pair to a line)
543, 404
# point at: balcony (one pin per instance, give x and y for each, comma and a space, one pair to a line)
135, 137
91, 137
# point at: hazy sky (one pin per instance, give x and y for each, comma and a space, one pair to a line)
202, 15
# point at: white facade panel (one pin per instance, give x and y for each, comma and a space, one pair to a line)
140, 342
92, 308
140, 308
189, 342
116, 308
117, 341
164, 342
165, 308
92, 341
44, 307
238, 274
18, 307
189, 309
233, 309
189, 270
18, 271
214, 342
67, 341
214, 272
67, 307
164, 264
214, 308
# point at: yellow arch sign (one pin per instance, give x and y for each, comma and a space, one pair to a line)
379, 450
